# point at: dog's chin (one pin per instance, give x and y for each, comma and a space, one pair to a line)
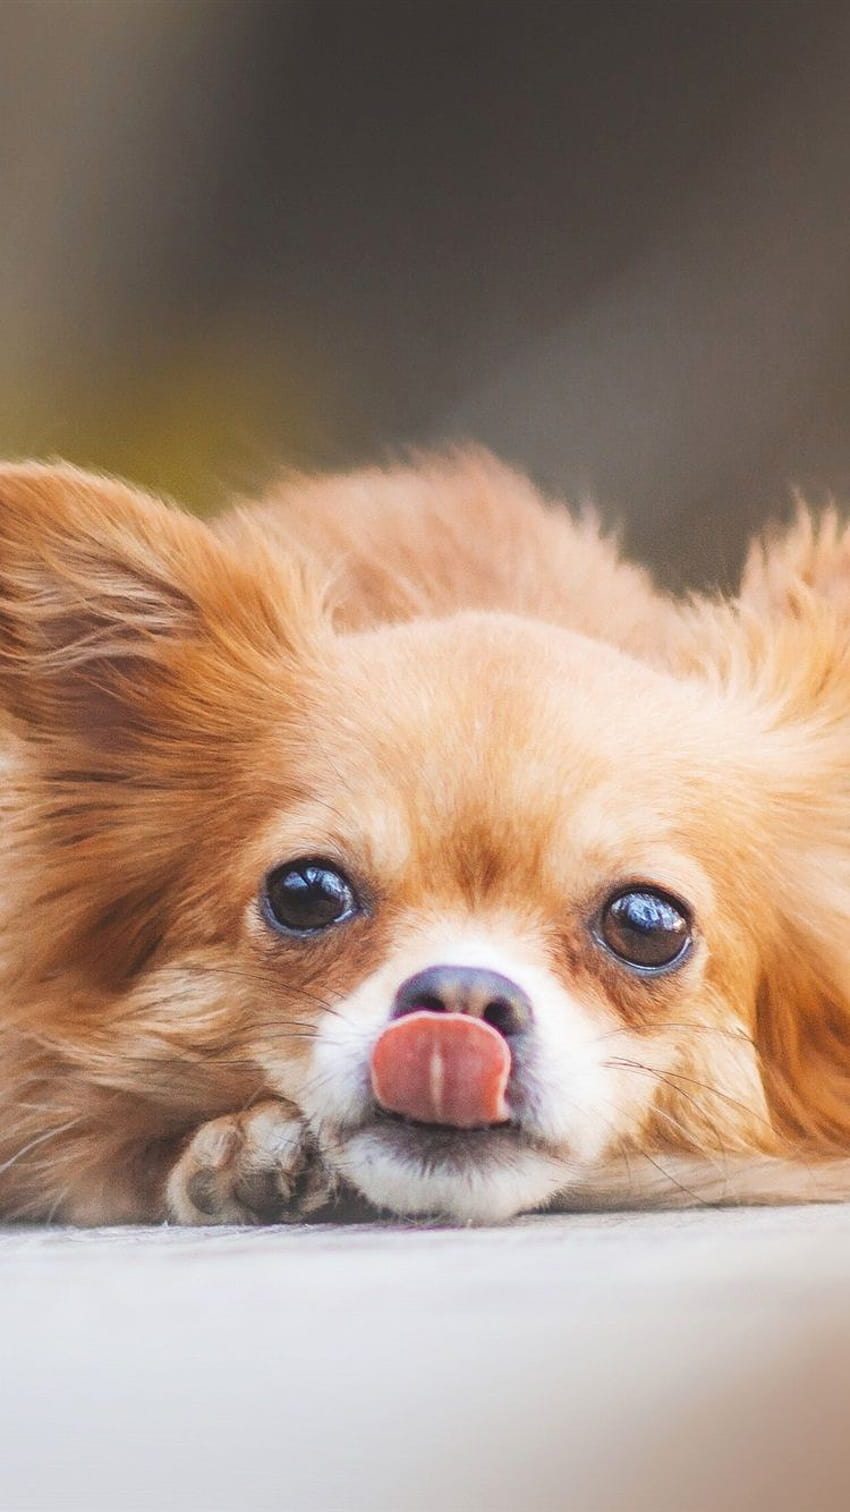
462, 1176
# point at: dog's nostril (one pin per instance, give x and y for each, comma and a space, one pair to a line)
503, 1015
428, 1003
470, 990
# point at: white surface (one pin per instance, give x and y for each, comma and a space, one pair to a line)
690, 1362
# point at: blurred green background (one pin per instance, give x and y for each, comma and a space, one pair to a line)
611, 240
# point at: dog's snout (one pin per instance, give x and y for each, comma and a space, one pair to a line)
467, 989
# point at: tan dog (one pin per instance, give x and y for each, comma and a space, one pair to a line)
394, 834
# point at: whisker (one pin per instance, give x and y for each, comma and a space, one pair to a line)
676, 1125
693, 1196
669, 1079
652, 1158
739, 1036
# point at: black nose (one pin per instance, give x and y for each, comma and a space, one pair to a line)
466, 989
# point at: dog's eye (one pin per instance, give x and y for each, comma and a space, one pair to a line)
306, 896
645, 928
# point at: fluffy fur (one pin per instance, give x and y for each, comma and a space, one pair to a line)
463, 698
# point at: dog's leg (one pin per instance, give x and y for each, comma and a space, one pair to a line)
259, 1166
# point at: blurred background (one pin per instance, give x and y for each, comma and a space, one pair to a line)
609, 238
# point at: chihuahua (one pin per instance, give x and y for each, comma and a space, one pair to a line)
392, 836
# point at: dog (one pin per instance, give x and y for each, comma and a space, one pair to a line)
393, 836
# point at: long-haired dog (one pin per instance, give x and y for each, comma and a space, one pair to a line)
393, 836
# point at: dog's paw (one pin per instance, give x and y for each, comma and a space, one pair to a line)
259, 1166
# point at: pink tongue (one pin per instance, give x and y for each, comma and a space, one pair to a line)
442, 1068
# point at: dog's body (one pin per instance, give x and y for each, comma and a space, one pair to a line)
379, 754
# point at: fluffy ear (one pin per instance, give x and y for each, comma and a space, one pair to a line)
151, 672
797, 584
782, 655
104, 592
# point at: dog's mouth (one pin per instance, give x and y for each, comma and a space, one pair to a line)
445, 1092
434, 1146
439, 1135
385, 1115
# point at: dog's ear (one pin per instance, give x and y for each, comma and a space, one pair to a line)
149, 674
105, 594
781, 657
802, 1033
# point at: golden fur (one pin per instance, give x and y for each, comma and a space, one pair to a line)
466, 698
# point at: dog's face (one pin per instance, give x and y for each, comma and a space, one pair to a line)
502, 818
277, 842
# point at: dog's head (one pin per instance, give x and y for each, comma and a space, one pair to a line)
252, 853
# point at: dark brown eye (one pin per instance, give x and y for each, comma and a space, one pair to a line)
304, 897
645, 928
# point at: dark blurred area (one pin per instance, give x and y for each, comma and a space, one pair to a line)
611, 240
